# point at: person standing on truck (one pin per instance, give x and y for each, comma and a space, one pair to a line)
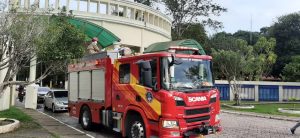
93, 48
293, 129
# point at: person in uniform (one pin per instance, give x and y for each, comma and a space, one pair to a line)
93, 48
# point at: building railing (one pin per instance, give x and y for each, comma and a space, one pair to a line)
261, 91
126, 10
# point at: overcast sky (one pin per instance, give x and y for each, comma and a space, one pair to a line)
263, 12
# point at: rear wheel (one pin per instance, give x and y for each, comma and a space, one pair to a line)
53, 108
135, 127
86, 118
45, 107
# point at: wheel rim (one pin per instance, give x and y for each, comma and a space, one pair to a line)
85, 118
137, 130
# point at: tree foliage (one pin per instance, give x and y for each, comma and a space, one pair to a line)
25, 35
291, 71
250, 37
286, 31
18, 34
186, 12
196, 31
65, 43
230, 62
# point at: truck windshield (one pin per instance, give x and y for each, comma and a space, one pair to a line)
186, 74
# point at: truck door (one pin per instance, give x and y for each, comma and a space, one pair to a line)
121, 88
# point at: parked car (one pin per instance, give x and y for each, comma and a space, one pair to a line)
42, 91
57, 100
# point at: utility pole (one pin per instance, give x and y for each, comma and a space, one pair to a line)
251, 30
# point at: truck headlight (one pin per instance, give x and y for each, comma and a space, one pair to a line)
179, 101
178, 98
170, 124
213, 98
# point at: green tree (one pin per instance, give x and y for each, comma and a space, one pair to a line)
187, 12
196, 31
60, 43
250, 37
291, 71
230, 62
286, 32
262, 59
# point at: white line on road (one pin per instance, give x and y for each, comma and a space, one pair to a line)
68, 125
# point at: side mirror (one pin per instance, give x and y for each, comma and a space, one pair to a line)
147, 75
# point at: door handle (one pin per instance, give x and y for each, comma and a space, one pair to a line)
118, 97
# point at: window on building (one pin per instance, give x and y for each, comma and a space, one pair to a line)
124, 74
42, 4
153, 64
103, 8
22, 3
62, 3
113, 9
83, 5
121, 11
73, 5
129, 13
31, 2
51, 4
93, 7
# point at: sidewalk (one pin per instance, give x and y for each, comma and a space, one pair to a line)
50, 128
276, 117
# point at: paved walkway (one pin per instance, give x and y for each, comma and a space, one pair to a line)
50, 127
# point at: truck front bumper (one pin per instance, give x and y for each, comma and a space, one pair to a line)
190, 133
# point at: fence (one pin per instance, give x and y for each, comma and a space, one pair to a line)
261, 91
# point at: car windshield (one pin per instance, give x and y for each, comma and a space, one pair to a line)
186, 74
60, 94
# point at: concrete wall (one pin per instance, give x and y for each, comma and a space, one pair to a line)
262, 90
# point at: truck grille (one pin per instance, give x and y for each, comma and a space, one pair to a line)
197, 111
202, 118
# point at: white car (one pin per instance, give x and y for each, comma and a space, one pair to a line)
57, 100
42, 91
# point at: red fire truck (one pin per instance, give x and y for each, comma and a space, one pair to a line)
161, 93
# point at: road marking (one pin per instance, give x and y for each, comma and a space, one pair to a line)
68, 125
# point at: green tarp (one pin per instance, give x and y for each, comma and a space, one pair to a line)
105, 37
164, 46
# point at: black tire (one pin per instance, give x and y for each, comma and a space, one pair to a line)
45, 107
86, 118
53, 108
135, 127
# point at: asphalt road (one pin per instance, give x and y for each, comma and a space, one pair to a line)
97, 132
234, 126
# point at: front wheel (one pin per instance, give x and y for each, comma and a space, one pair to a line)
136, 127
53, 108
86, 118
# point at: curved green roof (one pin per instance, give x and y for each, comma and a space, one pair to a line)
105, 37
164, 46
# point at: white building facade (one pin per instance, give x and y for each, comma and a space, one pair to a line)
137, 25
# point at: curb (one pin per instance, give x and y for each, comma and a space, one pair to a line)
9, 127
261, 116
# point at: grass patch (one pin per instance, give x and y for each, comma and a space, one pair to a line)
15, 113
271, 108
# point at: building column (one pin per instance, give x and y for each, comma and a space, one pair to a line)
280, 91
256, 93
231, 95
32, 73
31, 90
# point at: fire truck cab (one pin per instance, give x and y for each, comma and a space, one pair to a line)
157, 94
